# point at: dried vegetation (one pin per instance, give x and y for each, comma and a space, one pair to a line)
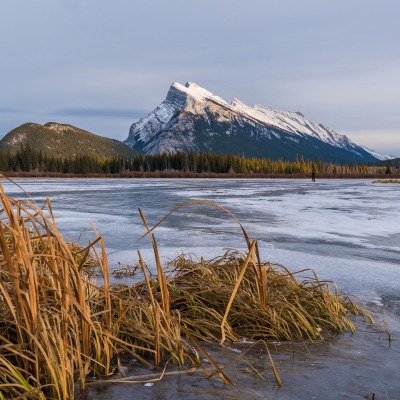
58, 326
395, 181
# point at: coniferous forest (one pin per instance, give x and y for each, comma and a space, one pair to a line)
28, 161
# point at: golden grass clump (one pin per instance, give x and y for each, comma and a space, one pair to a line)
58, 326
270, 303
393, 181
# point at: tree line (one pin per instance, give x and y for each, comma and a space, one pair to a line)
26, 159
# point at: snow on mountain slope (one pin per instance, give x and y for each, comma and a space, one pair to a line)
379, 156
191, 116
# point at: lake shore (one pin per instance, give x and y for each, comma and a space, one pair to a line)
192, 175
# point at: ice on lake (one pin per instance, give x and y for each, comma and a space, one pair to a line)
348, 231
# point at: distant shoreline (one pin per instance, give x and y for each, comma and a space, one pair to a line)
192, 175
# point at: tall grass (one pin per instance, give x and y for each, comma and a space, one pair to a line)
58, 326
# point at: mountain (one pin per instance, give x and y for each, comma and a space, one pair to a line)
55, 139
192, 118
393, 162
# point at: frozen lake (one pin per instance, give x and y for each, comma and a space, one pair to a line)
346, 230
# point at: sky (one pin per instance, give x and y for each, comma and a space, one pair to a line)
101, 65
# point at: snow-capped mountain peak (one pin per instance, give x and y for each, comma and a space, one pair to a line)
192, 92
193, 118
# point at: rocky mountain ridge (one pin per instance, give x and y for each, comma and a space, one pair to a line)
193, 119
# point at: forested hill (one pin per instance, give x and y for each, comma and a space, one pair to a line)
61, 140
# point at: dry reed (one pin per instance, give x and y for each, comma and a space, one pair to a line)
396, 181
58, 326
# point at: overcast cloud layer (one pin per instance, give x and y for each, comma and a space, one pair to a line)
101, 65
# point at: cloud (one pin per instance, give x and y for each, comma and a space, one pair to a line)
100, 113
6, 110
